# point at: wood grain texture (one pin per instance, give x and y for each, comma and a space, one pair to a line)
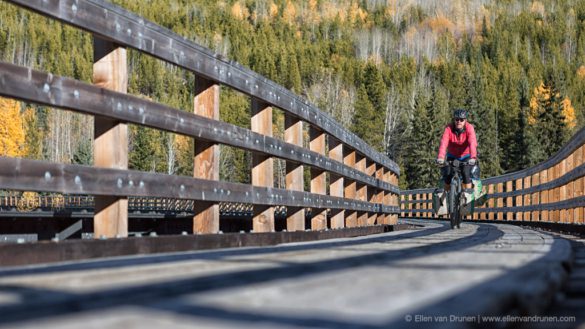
110, 71
293, 134
317, 144
206, 155
262, 166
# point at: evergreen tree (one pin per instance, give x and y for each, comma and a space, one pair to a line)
419, 167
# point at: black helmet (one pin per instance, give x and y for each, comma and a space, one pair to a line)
460, 114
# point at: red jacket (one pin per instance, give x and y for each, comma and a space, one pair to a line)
458, 146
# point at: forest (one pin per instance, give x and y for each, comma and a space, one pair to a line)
391, 71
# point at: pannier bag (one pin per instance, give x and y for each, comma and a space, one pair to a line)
440, 202
472, 200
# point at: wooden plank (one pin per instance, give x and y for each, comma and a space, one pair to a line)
350, 187
491, 202
535, 181
23, 83
361, 189
579, 186
509, 200
544, 214
380, 218
519, 199
527, 198
337, 182
206, 156
318, 178
110, 71
262, 166
556, 215
500, 201
570, 189
395, 198
136, 32
293, 134
563, 191
371, 192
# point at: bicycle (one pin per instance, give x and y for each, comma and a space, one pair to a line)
454, 200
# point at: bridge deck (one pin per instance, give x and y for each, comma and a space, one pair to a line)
393, 279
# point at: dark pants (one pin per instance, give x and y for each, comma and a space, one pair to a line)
448, 173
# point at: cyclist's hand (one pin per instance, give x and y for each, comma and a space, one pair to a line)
472, 162
440, 162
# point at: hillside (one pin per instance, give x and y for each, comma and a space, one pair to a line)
389, 70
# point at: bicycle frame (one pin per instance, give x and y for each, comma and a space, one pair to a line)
454, 197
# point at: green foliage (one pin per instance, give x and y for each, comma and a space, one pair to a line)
404, 94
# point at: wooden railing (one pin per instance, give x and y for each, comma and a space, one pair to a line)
551, 191
13, 204
362, 184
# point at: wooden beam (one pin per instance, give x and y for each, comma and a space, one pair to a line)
394, 199
350, 187
543, 198
371, 192
262, 166
361, 190
579, 186
293, 134
110, 71
381, 218
519, 199
336, 186
30, 85
509, 200
206, 160
318, 178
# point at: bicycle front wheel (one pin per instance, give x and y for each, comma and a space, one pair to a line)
454, 203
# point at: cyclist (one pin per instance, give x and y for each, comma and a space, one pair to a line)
458, 142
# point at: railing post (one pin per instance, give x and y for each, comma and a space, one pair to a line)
563, 190
349, 158
371, 192
336, 186
491, 202
381, 217
509, 200
500, 201
110, 71
206, 159
395, 198
318, 178
543, 195
293, 134
535, 197
527, 198
556, 214
361, 190
519, 199
262, 166
570, 188
578, 188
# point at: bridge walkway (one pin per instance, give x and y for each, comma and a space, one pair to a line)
429, 275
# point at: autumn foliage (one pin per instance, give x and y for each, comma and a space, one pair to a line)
12, 133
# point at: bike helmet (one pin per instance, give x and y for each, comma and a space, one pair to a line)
460, 114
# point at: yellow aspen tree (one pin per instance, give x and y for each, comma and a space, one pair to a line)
12, 136
290, 13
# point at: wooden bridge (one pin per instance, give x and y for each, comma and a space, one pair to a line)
341, 256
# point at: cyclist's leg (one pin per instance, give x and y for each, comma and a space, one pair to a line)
447, 174
466, 173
